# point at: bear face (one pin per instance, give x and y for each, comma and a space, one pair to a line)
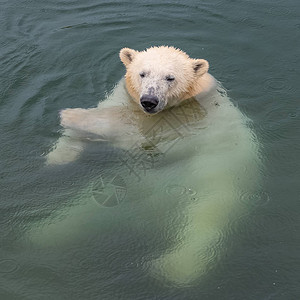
161, 77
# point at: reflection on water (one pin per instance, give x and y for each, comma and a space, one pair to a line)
65, 54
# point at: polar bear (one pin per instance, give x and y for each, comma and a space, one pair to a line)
170, 108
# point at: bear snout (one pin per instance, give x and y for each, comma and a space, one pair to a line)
149, 102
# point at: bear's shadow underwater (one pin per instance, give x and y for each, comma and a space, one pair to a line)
188, 137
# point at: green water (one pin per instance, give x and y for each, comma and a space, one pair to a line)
58, 54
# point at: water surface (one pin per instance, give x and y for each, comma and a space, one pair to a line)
58, 54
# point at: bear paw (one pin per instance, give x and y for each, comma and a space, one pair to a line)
178, 268
72, 118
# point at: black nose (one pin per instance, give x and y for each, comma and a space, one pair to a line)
149, 102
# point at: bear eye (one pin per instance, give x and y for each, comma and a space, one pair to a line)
142, 75
170, 78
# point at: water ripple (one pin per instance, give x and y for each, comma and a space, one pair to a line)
279, 11
176, 190
252, 22
255, 200
277, 122
179, 190
276, 85
77, 6
8, 266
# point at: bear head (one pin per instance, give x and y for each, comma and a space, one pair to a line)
162, 77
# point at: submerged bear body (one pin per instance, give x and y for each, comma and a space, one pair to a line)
169, 108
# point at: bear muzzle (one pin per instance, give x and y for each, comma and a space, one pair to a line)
149, 103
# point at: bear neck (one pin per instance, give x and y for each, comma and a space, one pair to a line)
200, 86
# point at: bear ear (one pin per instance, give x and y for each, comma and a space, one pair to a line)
127, 55
200, 66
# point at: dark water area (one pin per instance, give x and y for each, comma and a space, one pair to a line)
58, 54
